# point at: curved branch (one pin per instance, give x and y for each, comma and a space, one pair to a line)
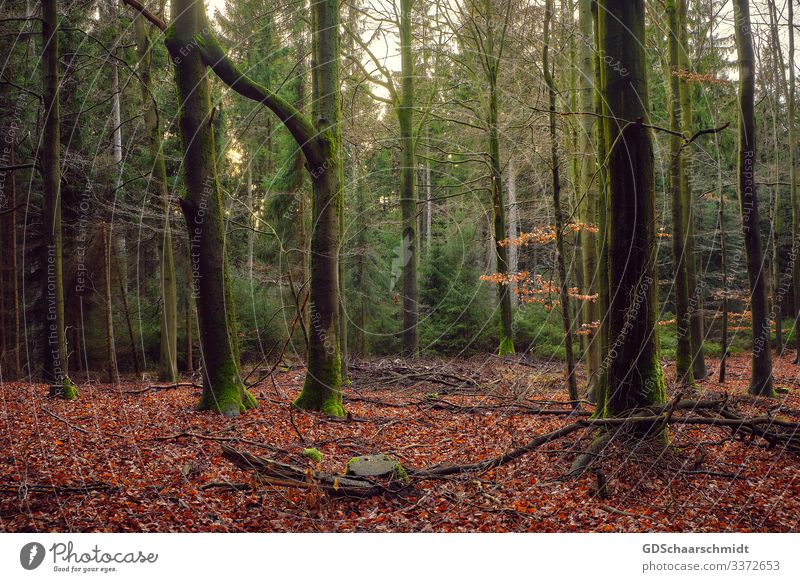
298, 125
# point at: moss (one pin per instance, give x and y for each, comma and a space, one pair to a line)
401, 474
226, 394
322, 389
506, 346
68, 390
313, 454
320, 399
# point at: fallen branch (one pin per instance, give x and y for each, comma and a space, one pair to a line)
64, 420
284, 474
23, 489
156, 388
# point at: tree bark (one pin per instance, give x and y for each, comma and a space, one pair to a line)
408, 195
322, 389
168, 355
223, 390
684, 371
491, 65
55, 341
111, 351
696, 325
589, 183
635, 377
513, 226
556, 184
761, 381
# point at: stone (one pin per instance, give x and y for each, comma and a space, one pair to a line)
380, 465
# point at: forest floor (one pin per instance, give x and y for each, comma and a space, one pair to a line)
123, 458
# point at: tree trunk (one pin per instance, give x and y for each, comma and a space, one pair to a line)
562, 270
589, 182
794, 195
683, 367
251, 234
695, 313
513, 226
323, 385
55, 341
761, 381
10, 288
111, 354
498, 199
724, 268
223, 390
408, 196
635, 377
168, 357
600, 384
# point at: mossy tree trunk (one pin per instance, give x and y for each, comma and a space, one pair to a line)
323, 384
600, 384
680, 257
490, 61
588, 185
223, 389
55, 341
634, 373
193, 46
761, 373
168, 357
557, 210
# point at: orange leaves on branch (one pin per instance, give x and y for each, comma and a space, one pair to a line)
536, 289
588, 328
693, 77
546, 234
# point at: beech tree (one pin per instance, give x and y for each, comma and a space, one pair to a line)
168, 353
684, 370
54, 337
761, 369
634, 376
557, 210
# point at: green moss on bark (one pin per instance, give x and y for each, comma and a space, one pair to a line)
68, 390
506, 346
321, 391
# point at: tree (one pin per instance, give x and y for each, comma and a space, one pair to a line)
55, 342
486, 27
634, 376
168, 353
761, 370
589, 181
557, 210
677, 170
695, 308
223, 389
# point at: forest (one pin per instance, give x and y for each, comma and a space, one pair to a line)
399, 266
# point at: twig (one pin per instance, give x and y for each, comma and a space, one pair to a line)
65, 421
